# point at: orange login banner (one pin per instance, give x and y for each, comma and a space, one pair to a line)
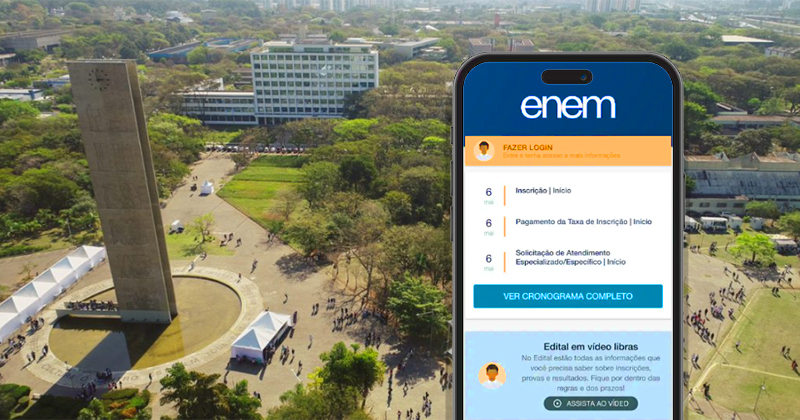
568, 150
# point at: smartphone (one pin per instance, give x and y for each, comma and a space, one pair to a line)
567, 232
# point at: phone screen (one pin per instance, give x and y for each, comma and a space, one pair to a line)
567, 242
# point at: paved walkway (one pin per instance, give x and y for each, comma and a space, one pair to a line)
50, 369
286, 283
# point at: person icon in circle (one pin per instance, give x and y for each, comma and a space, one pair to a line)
492, 380
483, 151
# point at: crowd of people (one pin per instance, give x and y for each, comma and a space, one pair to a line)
93, 305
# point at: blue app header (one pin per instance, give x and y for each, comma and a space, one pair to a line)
510, 99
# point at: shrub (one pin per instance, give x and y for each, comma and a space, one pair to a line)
20, 250
120, 394
129, 412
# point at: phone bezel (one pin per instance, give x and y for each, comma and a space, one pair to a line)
456, 213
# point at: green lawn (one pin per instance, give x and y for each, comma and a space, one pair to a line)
181, 246
690, 414
768, 324
253, 190
737, 390
51, 240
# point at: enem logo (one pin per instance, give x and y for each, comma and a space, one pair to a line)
571, 107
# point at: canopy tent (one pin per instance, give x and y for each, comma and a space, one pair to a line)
32, 297
263, 331
9, 318
690, 223
207, 188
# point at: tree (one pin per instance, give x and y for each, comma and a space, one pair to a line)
786, 135
764, 209
353, 130
679, 50
94, 411
427, 189
691, 184
241, 160
286, 202
195, 395
202, 226
241, 404
311, 231
358, 172
417, 250
15, 109
337, 36
318, 181
700, 93
359, 226
344, 368
792, 96
757, 246
399, 206
753, 141
696, 122
322, 402
772, 106
27, 268
450, 46
418, 307
790, 222
198, 55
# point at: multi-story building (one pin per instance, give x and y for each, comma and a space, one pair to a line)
725, 184
604, 6
219, 107
409, 48
784, 52
522, 45
298, 80
480, 45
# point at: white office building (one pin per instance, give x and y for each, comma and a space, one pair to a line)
292, 81
219, 107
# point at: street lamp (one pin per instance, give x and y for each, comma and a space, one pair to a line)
762, 388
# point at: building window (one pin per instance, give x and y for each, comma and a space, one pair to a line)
722, 205
705, 205
738, 205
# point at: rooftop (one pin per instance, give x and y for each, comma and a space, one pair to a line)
28, 34
228, 93
744, 40
703, 158
754, 118
479, 41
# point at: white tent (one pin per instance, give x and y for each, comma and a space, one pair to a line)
265, 329
32, 297
207, 188
690, 223
9, 318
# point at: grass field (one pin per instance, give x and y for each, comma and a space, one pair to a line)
183, 246
768, 324
253, 190
737, 390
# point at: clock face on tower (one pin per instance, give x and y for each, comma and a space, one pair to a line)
99, 80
